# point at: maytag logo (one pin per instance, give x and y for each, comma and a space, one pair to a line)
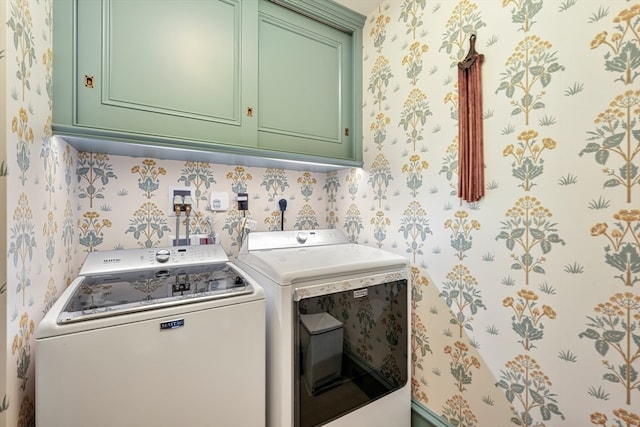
172, 324
359, 293
111, 260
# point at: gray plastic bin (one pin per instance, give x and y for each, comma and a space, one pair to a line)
321, 340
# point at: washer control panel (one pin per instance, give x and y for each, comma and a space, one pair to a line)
268, 240
104, 262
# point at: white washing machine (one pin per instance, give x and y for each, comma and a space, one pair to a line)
338, 327
159, 337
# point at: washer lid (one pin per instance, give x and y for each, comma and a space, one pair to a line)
121, 293
293, 266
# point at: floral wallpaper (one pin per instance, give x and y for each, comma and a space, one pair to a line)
525, 305
3, 224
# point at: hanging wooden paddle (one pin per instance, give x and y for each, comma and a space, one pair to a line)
470, 144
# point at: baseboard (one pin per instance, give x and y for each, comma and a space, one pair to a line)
421, 416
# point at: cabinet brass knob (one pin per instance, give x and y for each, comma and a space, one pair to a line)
249, 112
88, 81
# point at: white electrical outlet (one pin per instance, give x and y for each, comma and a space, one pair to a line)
219, 201
276, 202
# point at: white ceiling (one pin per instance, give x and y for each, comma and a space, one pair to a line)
364, 7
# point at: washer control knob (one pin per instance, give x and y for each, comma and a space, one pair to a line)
302, 237
163, 255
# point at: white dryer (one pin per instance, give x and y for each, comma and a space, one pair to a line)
154, 338
338, 327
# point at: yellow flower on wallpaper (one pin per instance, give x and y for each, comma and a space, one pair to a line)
623, 250
21, 347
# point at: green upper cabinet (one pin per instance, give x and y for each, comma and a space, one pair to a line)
246, 77
173, 68
305, 76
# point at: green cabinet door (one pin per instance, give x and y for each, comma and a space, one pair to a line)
276, 80
305, 85
174, 69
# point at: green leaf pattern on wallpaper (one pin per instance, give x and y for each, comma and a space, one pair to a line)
459, 289
148, 224
617, 137
24, 132
50, 160
463, 297
615, 144
528, 229
528, 389
528, 163
612, 330
200, 176
21, 24
239, 179
623, 250
529, 72
94, 171
274, 182
621, 45
380, 178
22, 242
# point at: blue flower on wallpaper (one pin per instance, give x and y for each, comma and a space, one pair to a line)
353, 223
49, 230
380, 224
233, 225
96, 171
306, 219
353, 182
68, 232
49, 154
91, 230
20, 126
239, 178
414, 169
22, 242
199, 175
274, 182
414, 228
21, 25
69, 162
379, 80
380, 177
148, 225
379, 129
307, 183
331, 187
414, 116
148, 176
